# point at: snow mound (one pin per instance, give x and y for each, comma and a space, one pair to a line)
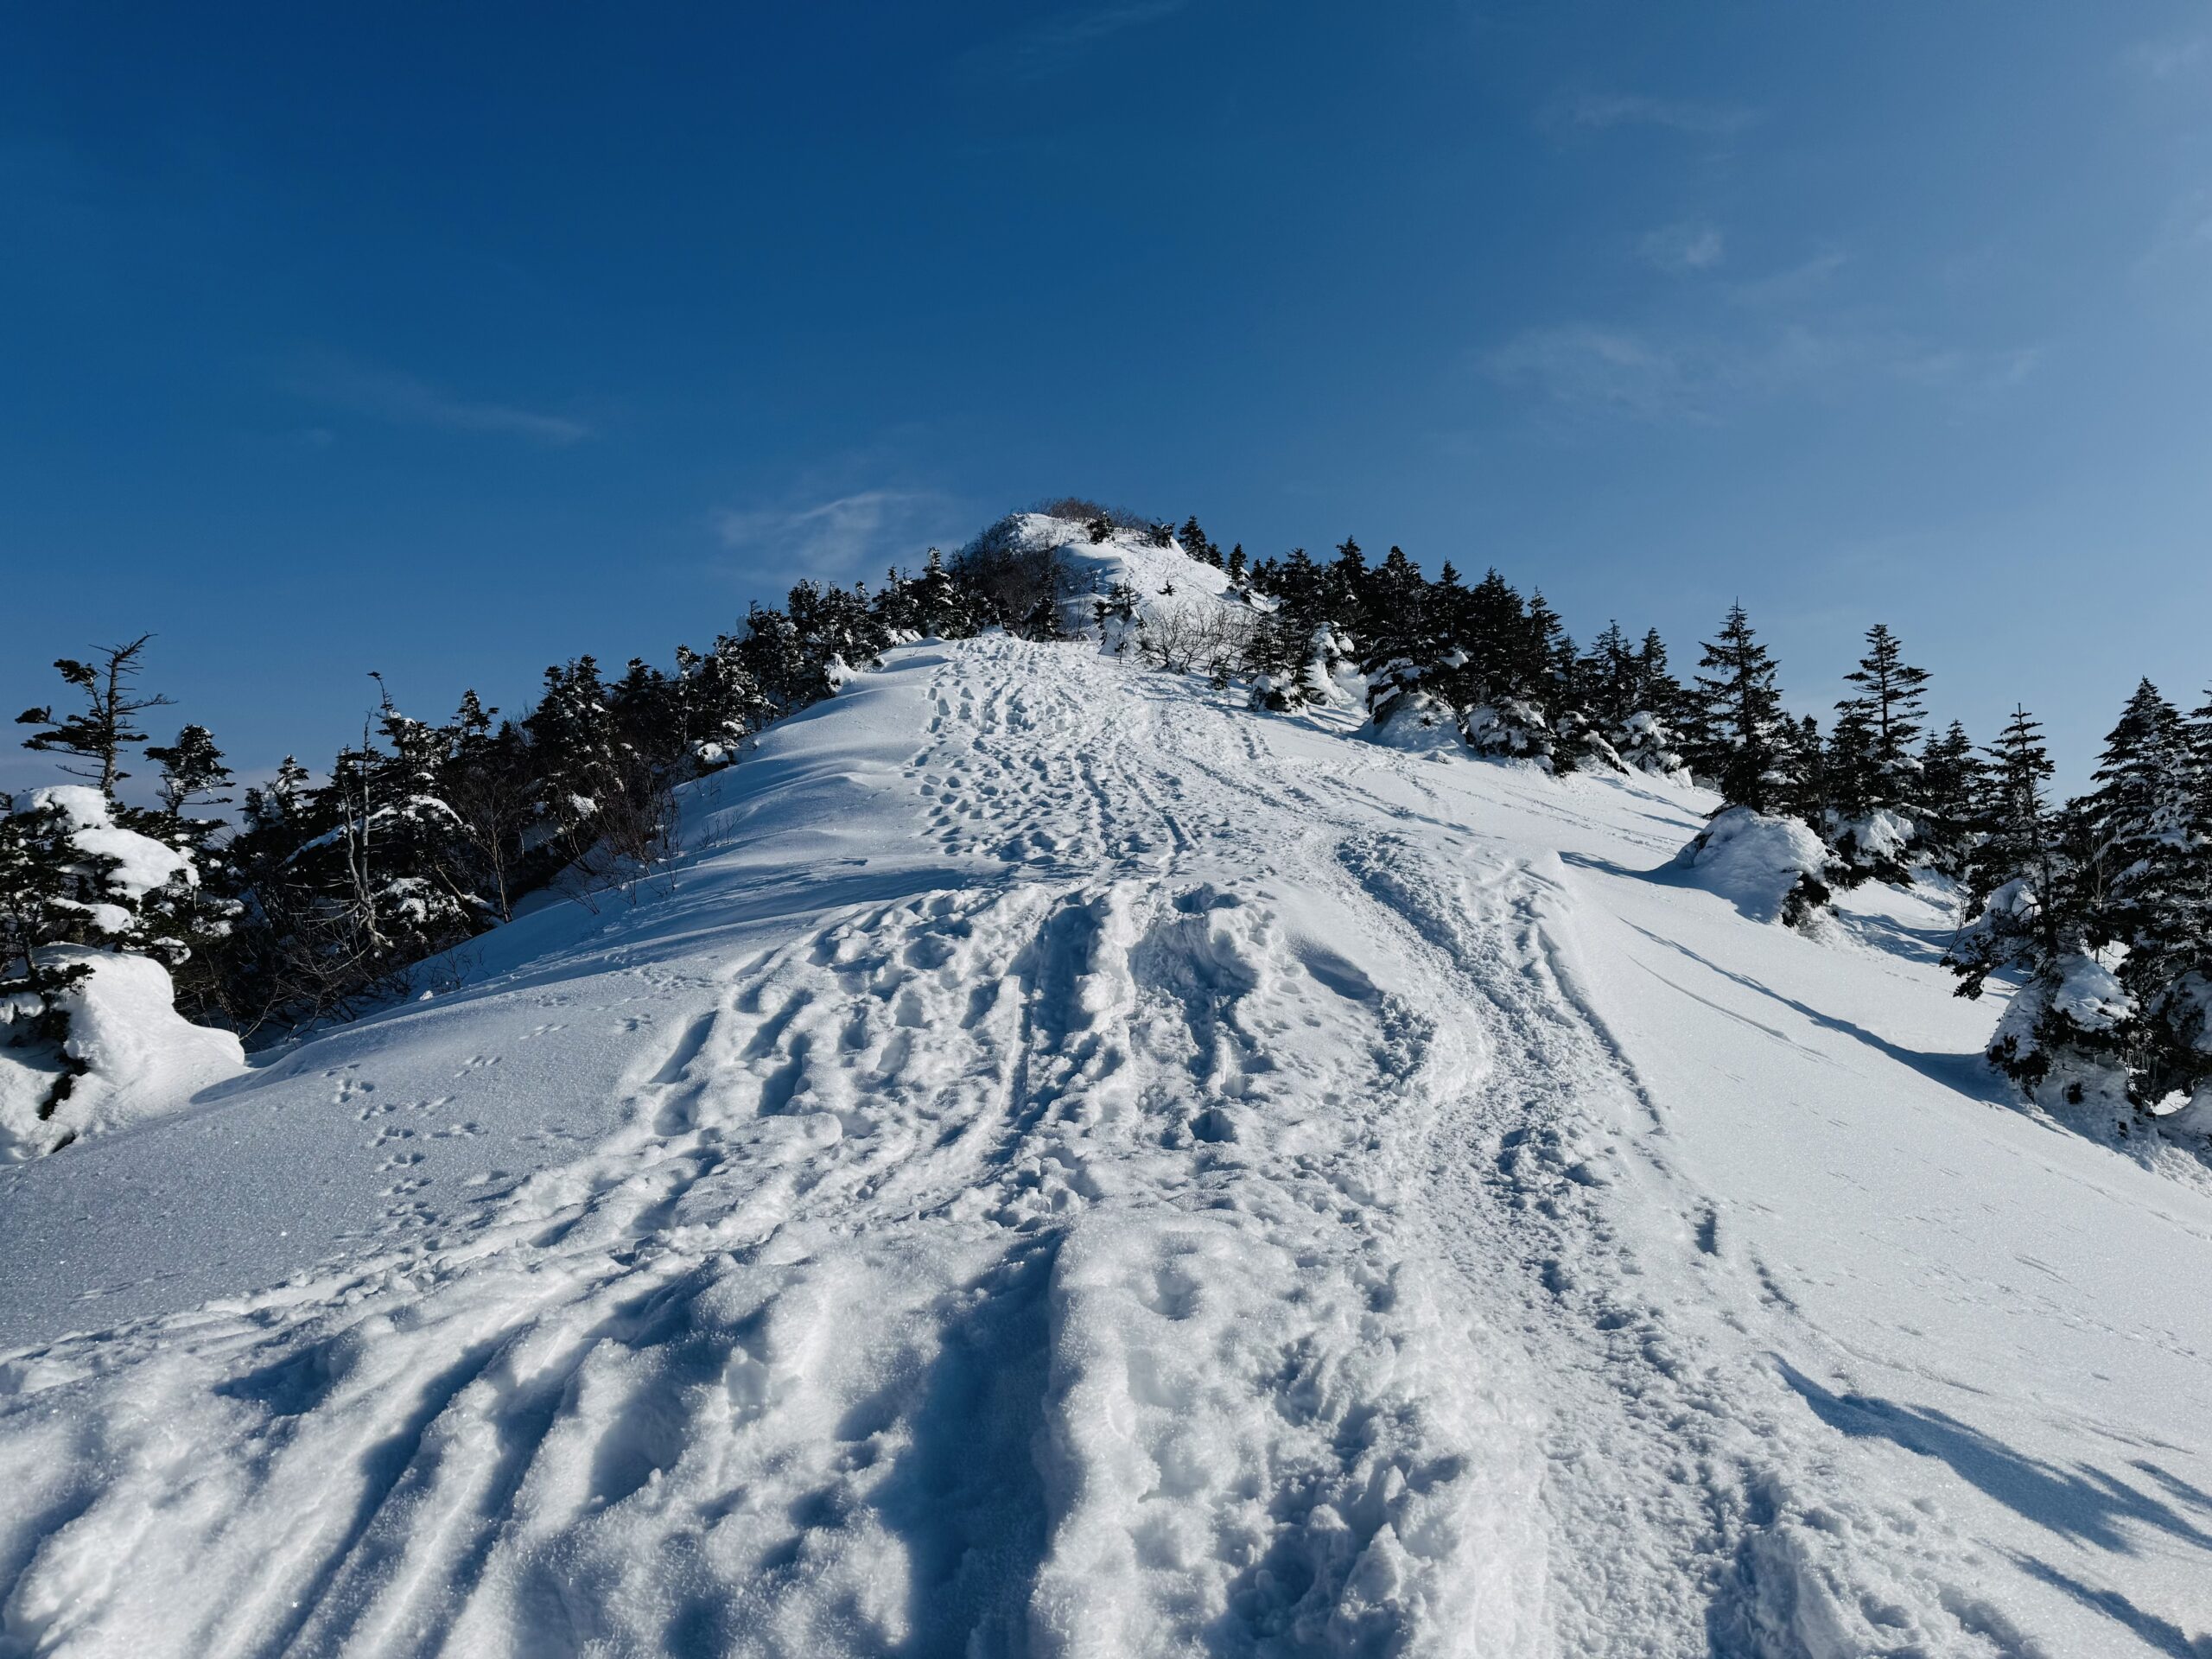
140, 1057
1771, 868
2055, 1036
1874, 847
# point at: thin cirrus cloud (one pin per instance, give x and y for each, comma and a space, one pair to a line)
402, 399
846, 536
2169, 60
1701, 380
1601, 112
1057, 43
1681, 249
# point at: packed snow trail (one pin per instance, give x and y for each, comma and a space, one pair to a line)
1068, 1166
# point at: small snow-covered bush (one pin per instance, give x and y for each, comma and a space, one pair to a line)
1509, 730
1645, 744
85, 1012
1771, 869
1874, 847
123, 1053
2060, 1037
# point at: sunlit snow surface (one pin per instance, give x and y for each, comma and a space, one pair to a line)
1067, 1164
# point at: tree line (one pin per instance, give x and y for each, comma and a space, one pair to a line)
312, 899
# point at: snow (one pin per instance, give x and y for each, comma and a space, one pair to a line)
1754, 860
1064, 1164
140, 1057
143, 864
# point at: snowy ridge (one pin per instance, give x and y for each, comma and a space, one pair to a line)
1015, 1188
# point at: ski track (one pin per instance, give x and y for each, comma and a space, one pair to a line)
1104, 1257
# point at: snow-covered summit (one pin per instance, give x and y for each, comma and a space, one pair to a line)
1065, 1164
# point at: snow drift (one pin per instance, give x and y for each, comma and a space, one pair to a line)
1771, 869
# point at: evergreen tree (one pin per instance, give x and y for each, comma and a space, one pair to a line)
193, 770
1397, 598
1853, 779
1347, 585
1402, 650
97, 737
1743, 710
39, 906
573, 752
1195, 544
1294, 647
1613, 678
2145, 855
199, 915
1951, 775
1890, 707
2065, 1027
1803, 762
939, 609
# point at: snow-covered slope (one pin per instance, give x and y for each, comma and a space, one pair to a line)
1067, 1164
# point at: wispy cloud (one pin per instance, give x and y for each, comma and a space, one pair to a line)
1599, 112
2169, 60
849, 536
1055, 43
1587, 366
402, 399
1682, 249
1684, 378
1790, 287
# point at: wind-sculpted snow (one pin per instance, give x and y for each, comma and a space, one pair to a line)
1066, 1165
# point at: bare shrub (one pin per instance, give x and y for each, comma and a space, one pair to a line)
1082, 510
1200, 638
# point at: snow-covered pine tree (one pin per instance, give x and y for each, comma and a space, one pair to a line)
1870, 842
420, 888
488, 787
1556, 666
1400, 649
727, 704
1951, 775
771, 653
1347, 584
1296, 647
1802, 762
2180, 1026
193, 770
1501, 676
76, 885
1891, 702
1635, 701
575, 756
201, 914
1875, 805
836, 631
1195, 544
2060, 1037
39, 906
1610, 675
1743, 715
937, 606
2144, 859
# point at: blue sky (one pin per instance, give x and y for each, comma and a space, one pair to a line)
446, 341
